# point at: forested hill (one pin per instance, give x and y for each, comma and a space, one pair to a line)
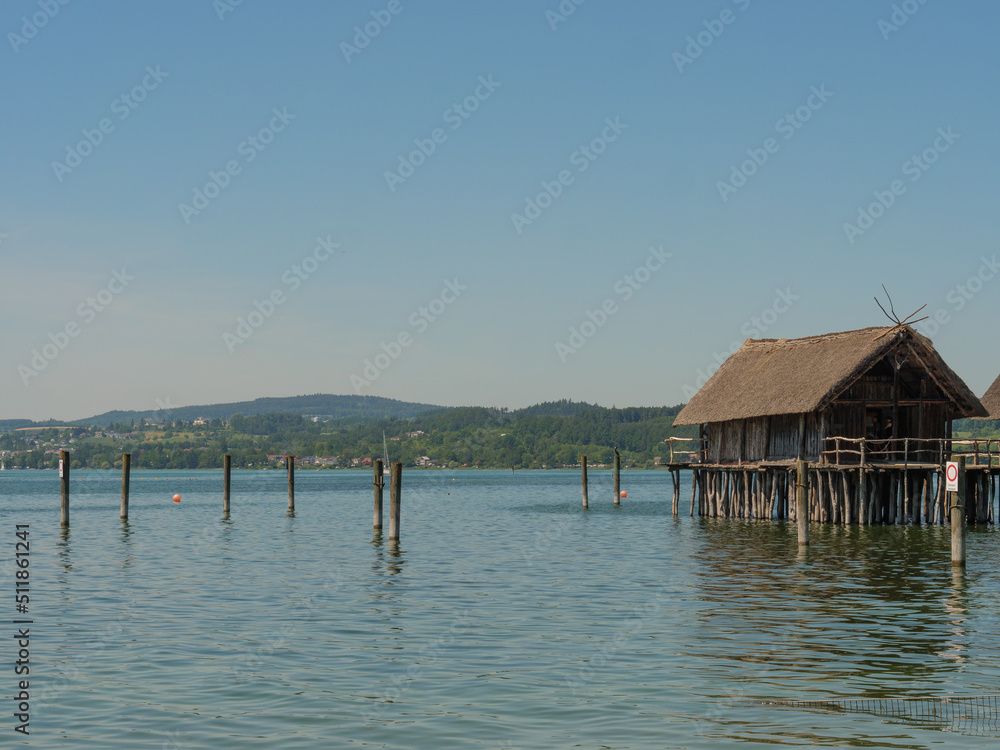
322, 405
550, 435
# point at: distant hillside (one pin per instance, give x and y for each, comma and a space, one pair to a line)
561, 408
14, 424
324, 405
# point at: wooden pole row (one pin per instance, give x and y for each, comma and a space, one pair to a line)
395, 490
616, 480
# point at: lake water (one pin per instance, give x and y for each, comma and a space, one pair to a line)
508, 617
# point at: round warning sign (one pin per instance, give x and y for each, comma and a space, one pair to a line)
951, 476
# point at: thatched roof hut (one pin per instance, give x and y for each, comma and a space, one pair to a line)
991, 400
776, 399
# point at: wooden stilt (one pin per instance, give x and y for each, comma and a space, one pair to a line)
958, 506
227, 468
126, 471
395, 499
893, 492
378, 483
907, 505
64, 488
862, 498
938, 499
801, 503
618, 477
846, 516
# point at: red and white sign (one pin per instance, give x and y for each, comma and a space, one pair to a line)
951, 476
60, 468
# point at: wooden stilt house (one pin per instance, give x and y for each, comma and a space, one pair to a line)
869, 410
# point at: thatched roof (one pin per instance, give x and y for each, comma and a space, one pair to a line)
791, 376
991, 400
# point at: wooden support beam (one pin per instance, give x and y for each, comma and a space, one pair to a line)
378, 483
958, 506
618, 477
227, 467
126, 472
395, 498
801, 503
64, 488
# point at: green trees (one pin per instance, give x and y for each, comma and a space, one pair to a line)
549, 435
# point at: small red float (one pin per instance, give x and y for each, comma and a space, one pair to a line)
177, 498
623, 493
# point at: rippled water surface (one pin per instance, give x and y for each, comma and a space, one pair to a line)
508, 617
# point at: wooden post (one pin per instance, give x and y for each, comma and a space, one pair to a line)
958, 516
802, 503
227, 467
617, 477
379, 484
126, 472
64, 488
290, 468
583, 465
395, 490
802, 435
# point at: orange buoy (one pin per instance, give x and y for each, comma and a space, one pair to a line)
177, 498
623, 493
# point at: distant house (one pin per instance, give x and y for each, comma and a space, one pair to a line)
413, 434
424, 461
199, 421
366, 461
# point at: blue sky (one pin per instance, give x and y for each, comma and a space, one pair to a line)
744, 136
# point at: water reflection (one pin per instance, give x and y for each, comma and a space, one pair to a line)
389, 558
956, 608
64, 550
396, 560
126, 539
786, 610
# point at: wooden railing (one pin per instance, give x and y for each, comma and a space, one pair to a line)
697, 455
906, 450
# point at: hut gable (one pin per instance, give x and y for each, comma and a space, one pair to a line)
991, 400
771, 377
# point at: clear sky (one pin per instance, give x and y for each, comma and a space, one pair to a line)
479, 180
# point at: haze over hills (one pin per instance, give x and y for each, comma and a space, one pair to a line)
323, 405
